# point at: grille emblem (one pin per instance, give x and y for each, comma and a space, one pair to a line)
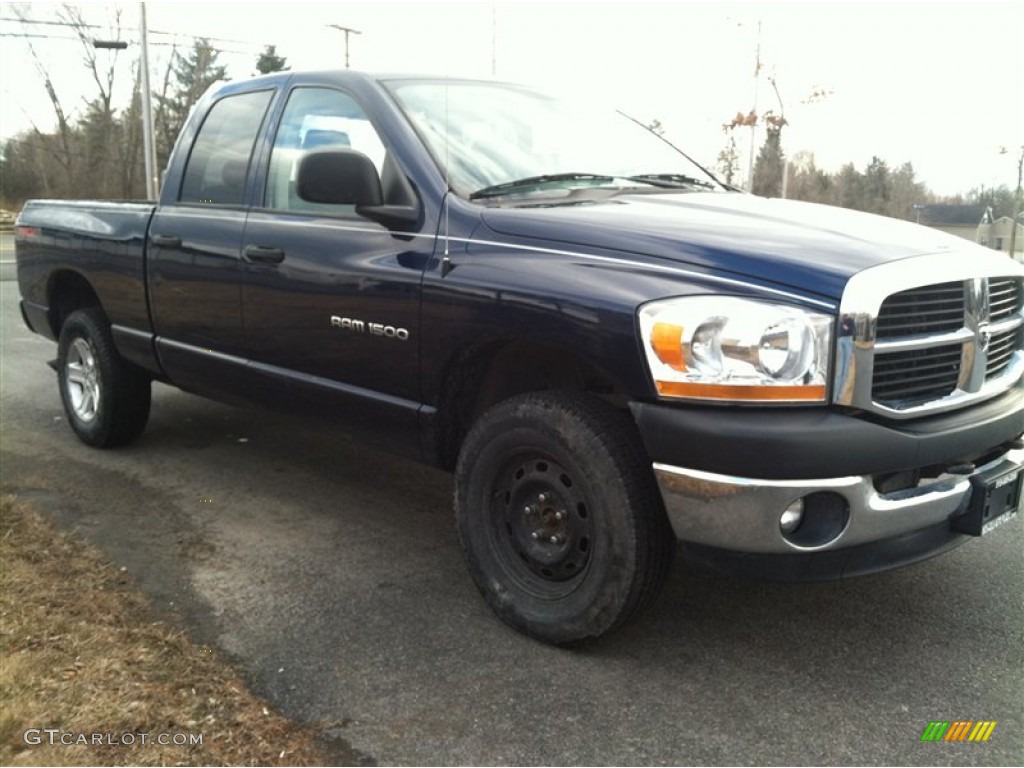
984, 338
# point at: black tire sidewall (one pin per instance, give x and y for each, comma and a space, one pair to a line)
603, 590
123, 406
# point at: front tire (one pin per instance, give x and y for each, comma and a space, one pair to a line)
105, 398
559, 516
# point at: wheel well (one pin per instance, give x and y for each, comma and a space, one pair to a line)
67, 292
486, 375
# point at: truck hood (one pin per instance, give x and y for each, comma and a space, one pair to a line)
814, 248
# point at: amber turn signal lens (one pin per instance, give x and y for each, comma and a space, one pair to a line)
794, 392
667, 341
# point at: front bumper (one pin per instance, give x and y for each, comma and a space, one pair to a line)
734, 522
727, 475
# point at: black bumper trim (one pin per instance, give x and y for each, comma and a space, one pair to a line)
830, 565
37, 318
787, 444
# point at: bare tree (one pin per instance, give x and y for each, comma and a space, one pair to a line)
60, 148
92, 149
103, 76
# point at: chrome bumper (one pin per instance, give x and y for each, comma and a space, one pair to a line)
742, 514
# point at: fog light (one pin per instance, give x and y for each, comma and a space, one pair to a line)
792, 517
816, 520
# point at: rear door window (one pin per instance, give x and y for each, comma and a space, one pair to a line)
219, 162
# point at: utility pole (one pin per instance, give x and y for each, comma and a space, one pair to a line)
1016, 204
148, 142
781, 124
348, 31
753, 125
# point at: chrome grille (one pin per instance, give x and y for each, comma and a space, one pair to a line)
925, 348
931, 309
1000, 351
916, 376
1004, 298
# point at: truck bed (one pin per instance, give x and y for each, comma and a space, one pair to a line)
60, 241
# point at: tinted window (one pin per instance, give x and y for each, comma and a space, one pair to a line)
217, 167
317, 118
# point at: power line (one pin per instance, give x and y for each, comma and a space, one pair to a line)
78, 39
49, 23
151, 31
40, 37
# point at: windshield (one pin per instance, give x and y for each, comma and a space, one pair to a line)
495, 140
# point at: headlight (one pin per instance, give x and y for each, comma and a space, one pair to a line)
732, 349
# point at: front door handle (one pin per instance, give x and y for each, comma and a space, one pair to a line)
166, 241
263, 254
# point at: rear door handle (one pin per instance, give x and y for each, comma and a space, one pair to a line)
263, 254
166, 241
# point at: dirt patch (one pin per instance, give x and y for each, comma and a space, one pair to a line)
90, 678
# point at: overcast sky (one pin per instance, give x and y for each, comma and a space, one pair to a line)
940, 85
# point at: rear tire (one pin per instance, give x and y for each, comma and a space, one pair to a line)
560, 517
105, 398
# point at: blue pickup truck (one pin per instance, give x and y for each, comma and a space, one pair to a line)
611, 350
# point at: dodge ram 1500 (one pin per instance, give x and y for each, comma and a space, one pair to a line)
609, 348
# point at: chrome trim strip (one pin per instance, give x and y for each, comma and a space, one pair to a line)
1001, 326
335, 225
180, 346
292, 376
124, 330
924, 342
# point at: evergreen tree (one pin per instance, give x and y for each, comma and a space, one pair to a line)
129, 143
999, 199
876, 187
269, 61
191, 75
729, 161
92, 141
906, 192
847, 190
769, 164
807, 181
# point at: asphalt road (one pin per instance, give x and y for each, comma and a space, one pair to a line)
332, 576
6, 255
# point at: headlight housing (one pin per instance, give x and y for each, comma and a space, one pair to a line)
730, 349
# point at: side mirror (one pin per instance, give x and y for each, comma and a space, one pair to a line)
348, 177
339, 177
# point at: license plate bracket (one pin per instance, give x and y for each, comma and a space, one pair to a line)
995, 498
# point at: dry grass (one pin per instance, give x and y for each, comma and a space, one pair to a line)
81, 653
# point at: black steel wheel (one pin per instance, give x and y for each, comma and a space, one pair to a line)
106, 399
559, 516
541, 524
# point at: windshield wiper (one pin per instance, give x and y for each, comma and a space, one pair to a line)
532, 182
672, 180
